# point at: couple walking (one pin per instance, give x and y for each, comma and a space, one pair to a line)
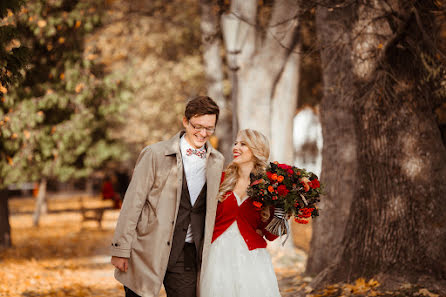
186, 225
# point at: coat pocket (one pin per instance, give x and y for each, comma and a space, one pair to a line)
145, 219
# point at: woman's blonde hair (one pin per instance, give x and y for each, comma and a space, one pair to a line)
259, 146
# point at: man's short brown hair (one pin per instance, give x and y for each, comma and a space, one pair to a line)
201, 105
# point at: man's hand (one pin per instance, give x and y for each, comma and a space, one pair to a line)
120, 263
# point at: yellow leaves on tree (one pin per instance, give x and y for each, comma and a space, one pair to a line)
79, 87
3, 89
14, 43
41, 23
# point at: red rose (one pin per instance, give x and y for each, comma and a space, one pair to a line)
290, 171
282, 190
314, 184
269, 174
284, 166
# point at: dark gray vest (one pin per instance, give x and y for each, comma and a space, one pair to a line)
188, 214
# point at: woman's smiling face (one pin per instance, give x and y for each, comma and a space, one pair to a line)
241, 152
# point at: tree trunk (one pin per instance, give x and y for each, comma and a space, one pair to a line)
283, 107
268, 67
5, 228
41, 203
396, 228
340, 142
214, 72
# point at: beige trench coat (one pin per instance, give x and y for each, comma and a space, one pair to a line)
147, 219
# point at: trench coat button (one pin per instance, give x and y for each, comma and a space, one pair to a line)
173, 222
168, 243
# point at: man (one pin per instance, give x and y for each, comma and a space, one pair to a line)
167, 218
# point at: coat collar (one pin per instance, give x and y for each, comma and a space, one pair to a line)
173, 144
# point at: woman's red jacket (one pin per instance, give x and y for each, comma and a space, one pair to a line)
248, 220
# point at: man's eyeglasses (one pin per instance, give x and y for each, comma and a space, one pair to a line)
199, 128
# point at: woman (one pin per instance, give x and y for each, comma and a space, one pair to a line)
239, 264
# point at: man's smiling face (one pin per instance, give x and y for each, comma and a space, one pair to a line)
199, 129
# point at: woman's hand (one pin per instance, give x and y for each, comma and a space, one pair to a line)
258, 231
265, 214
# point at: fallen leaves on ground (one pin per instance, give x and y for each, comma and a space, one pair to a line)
67, 257
61, 257
359, 288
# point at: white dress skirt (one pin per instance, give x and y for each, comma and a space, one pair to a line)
233, 270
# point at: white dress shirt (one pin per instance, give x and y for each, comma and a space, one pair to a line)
195, 171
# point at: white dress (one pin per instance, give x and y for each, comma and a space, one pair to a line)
234, 271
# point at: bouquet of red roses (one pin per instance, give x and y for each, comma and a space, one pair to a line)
290, 190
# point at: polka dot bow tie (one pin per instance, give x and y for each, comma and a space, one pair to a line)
199, 153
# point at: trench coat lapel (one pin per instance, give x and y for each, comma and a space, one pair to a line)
213, 174
174, 149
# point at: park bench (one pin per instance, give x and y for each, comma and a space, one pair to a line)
92, 214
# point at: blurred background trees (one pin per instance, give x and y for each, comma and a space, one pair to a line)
12, 59
62, 111
157, 46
